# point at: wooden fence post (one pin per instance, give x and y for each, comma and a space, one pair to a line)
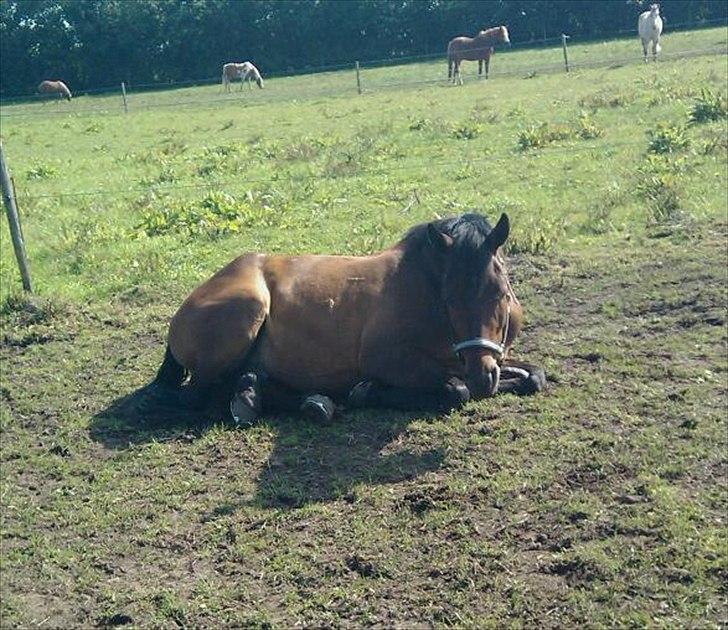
566, 56
123, 95
14, 220
358, 79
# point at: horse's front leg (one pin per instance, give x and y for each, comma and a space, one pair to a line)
452, 394
405, 377
480, 68
644, 50
518, 377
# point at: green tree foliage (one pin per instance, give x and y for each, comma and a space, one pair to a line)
97, 43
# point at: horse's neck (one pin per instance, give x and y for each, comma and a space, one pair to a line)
486, 37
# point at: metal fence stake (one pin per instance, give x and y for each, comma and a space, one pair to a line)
15, 231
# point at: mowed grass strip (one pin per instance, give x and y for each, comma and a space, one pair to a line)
600, 502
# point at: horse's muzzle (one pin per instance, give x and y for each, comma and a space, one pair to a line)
484, 383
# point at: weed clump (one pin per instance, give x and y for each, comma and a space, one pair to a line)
467, 130
536, 236
660, 185
302, 150
605, 99
537, 136
709, 106
420, 124
216, 214
543, 134
41, 171
586, 127
667, 139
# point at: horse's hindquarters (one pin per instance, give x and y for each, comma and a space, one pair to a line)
215, 327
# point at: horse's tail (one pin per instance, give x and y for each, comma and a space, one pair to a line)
449, 61
171, 373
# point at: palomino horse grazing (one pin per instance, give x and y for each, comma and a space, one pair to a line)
478, 48
243, 71
649, 26
425, 324
58, 88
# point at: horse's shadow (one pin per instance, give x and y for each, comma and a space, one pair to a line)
308, 463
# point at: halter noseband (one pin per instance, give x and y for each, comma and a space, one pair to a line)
482, 342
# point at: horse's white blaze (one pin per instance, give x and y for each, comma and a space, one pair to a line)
649, 26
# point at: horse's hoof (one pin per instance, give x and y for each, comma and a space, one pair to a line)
457, 393
246, 404
533, 383
359, 394
318, 408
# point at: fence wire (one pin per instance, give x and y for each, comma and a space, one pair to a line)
461, 162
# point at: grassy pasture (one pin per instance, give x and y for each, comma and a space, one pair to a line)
602, 501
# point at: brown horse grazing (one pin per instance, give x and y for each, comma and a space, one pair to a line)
58, 88
425, 324
478, 48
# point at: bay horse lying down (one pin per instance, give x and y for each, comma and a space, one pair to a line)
424, 325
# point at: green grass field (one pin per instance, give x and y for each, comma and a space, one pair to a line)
601, 501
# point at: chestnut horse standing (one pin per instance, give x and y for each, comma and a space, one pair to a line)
425, 324
58, 88
478, 48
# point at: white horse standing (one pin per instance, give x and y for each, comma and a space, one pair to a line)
245, 71
650, 29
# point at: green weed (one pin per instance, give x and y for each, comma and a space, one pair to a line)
535, 235
41, 171
667, 138
213, 215
709, 106
420, 124
586, 128
660, 184
467, 130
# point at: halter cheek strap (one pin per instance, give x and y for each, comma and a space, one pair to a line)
482, 342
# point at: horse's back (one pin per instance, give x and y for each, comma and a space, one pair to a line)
54, 87
458, 43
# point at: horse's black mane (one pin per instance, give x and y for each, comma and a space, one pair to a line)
468, 232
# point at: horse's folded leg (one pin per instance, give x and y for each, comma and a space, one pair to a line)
318, 408
246, 403
453, 395
521, 378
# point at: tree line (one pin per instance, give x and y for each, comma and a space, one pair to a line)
95, 43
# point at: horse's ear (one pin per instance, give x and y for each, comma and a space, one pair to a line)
439, 240
500, 233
